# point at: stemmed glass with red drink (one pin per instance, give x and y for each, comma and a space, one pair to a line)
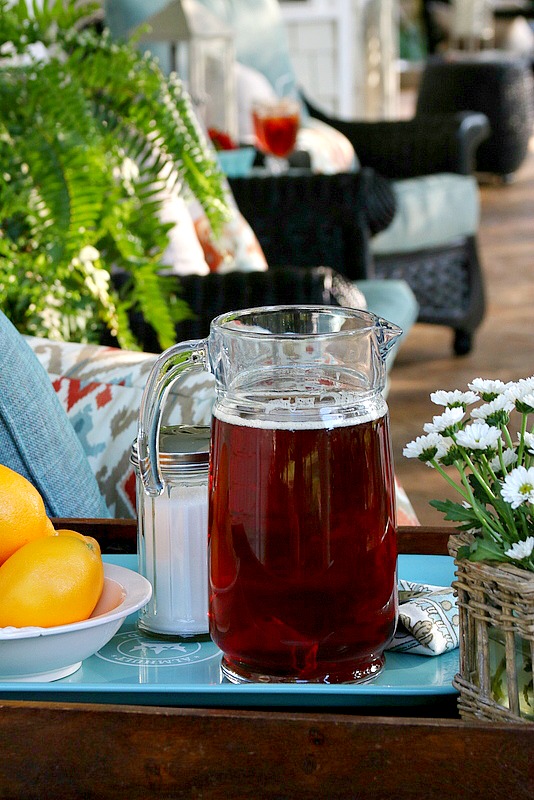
276, 124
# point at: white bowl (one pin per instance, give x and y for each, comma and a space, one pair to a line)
46, 654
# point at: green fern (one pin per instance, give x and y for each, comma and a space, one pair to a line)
72, 118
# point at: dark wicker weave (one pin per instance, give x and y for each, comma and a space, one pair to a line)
313, 220
447, 283
424, 145
501, 86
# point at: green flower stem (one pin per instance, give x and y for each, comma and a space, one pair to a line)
507, 436
487, 521
501, 458
523, 522
449, 480
511, 523
524, 418
477, 474
489, 469
509, 513
490, 523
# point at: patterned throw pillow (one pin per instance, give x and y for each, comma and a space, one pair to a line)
330, 151
236, 248
100, 389
194, 250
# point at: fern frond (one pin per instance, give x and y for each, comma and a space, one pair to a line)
73, 121
146, 107
148, 296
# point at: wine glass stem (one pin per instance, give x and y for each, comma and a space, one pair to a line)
276, 165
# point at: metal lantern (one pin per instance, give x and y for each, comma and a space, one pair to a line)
202, 53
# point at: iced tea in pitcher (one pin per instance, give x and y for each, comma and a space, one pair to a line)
302, 550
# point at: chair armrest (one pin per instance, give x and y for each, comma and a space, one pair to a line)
311, 220
426, 144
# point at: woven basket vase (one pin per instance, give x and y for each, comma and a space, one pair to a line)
496, 608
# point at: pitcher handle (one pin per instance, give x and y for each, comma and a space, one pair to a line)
172, 364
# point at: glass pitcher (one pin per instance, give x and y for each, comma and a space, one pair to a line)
301, 530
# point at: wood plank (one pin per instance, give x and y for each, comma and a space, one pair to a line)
119, 535
108, 752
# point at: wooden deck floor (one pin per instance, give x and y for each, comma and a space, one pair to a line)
504, 345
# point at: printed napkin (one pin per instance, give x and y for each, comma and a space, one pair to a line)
428, 619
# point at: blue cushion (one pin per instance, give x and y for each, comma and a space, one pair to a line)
423, 219
122, 16
36, 437
260, 36
260, 39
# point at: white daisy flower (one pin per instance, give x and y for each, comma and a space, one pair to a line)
478, 436
509, 457
487, 388
528, 401
455, 398
8, 49
501, 403
518, 486
529, 441
519, 389
449, 419
521, 550
426, 447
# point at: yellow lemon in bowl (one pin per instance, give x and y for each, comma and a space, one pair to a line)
22, 513
90, 539
53, 580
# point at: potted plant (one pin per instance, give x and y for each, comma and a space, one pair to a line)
493, 474
90, 132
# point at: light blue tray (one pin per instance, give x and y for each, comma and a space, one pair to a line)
136, 669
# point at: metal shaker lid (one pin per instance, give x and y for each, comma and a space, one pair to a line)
182, 448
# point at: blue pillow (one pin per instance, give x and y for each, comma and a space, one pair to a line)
122, 16
36, 437
260, 36
260, 39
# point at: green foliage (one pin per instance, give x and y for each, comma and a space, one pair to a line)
88, 128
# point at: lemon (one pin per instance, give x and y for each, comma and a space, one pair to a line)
53, 580
22, 513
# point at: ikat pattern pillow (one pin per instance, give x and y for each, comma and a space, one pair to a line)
100, 389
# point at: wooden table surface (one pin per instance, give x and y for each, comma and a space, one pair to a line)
73, 750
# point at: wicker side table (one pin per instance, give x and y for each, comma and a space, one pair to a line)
498, 84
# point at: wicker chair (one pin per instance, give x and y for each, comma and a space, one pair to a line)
318, 219
331, 221
498, 84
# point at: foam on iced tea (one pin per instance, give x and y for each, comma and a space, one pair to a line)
302, 549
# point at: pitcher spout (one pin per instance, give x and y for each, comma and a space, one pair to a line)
387, 334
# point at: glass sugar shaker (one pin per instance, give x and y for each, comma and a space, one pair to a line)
172, 533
